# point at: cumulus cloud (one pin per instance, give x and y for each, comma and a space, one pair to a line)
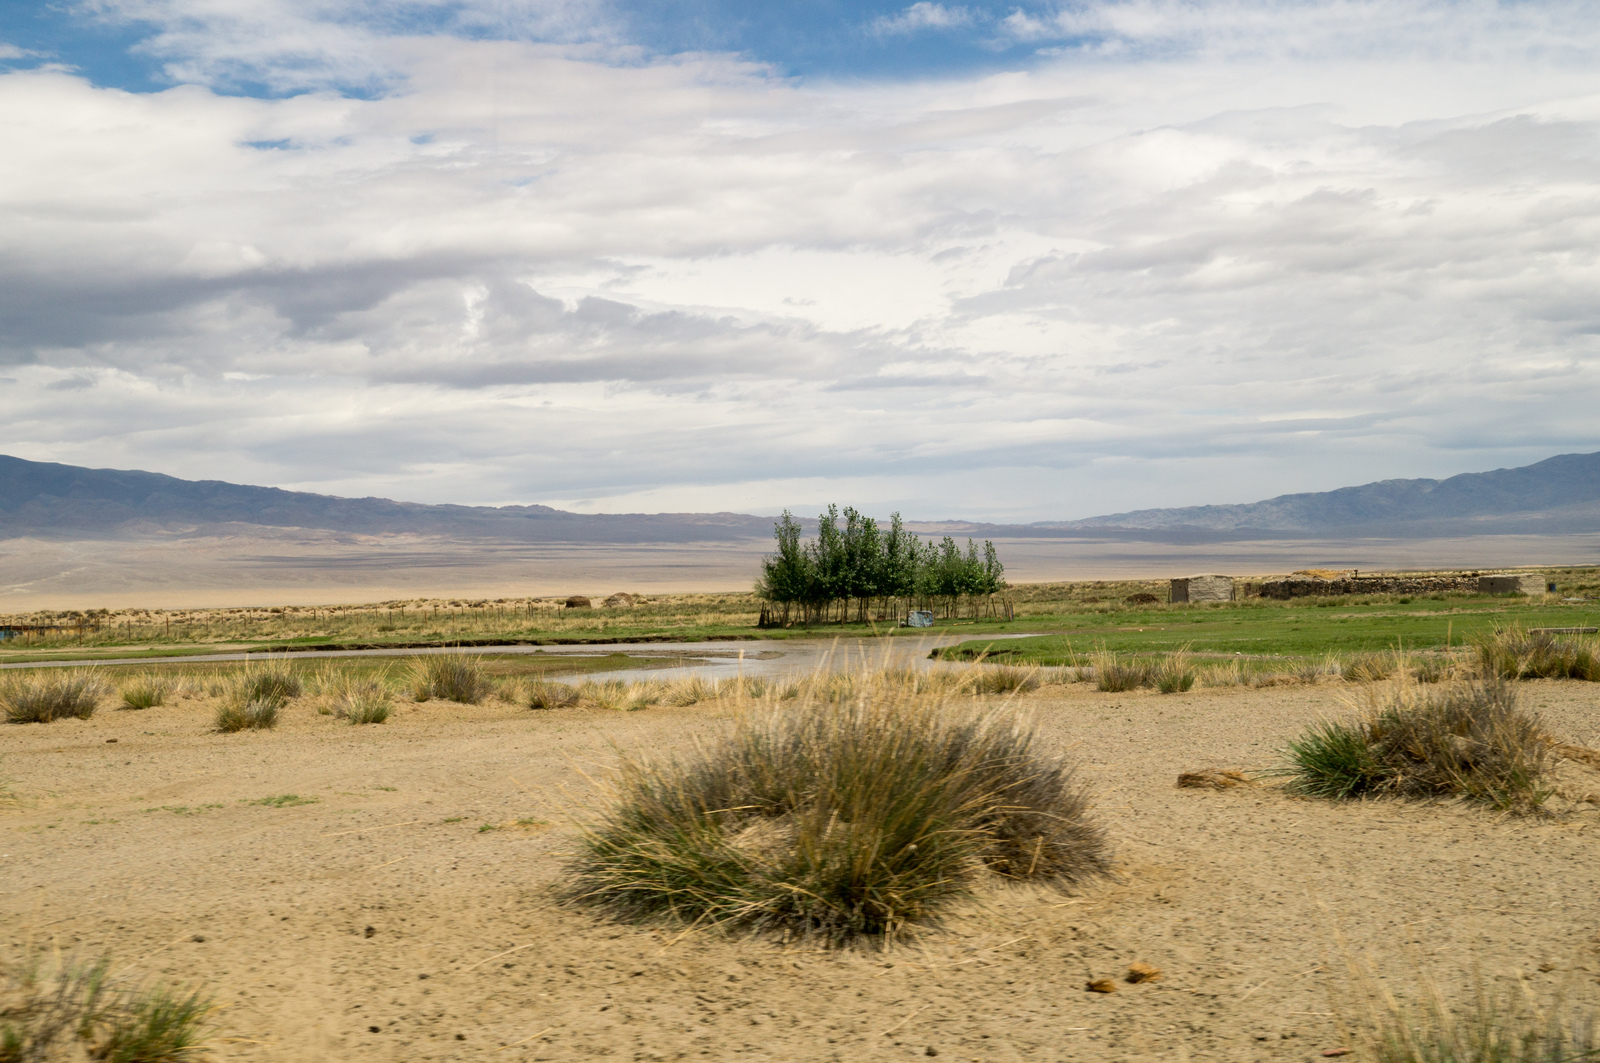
923, 15
529, 271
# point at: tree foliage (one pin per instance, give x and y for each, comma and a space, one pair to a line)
853, 565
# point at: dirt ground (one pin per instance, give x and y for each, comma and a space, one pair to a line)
372, 917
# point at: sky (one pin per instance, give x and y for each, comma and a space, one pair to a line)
1011, 262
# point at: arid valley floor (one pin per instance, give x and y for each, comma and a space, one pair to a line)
405, 904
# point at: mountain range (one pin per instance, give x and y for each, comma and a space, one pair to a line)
1560, 495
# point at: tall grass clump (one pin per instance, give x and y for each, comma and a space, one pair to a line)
1368, 668
145, 692
74, 1011
1433, 669
839, 820
1112, 673
621, 695
1512, 653
1174, 674
359, 701
50, 695
1464, 740
266, 682
547, 694
1003, 679
247, 715
449, 677
253, 698
1228, 674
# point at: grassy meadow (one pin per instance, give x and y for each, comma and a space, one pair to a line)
1070, 619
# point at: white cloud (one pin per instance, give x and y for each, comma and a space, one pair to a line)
537, 274
923, 15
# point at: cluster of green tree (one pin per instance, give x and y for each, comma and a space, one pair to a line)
857, 567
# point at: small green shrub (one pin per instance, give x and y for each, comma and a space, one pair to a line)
247, 716
449, 677
1511, 653
1467, 740
145, 692
51, 695
839, 821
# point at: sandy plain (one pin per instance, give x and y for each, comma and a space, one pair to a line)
379, 920
260, 566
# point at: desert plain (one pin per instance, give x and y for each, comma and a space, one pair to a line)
398, 892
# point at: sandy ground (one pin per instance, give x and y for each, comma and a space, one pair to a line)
308, 567
379, 922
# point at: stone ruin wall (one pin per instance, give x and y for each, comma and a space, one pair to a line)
1306, 588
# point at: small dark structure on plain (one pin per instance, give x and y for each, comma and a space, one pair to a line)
1203, 589
578, 601
1512, 583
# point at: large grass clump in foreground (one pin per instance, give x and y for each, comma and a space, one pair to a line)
1465, 740
844, 820
50, 695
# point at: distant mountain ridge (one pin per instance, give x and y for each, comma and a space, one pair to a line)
51, 499
1563, 491
1560, 495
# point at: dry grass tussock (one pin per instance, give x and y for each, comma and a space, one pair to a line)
1369, 667
1512, 653
840, 819
1466, 739
145, 691
50, 694
623, 695
75, 1010
253, 697
1172, 673
358, 699
1506, 1024
449, 677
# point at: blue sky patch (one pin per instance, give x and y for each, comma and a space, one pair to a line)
874, 40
